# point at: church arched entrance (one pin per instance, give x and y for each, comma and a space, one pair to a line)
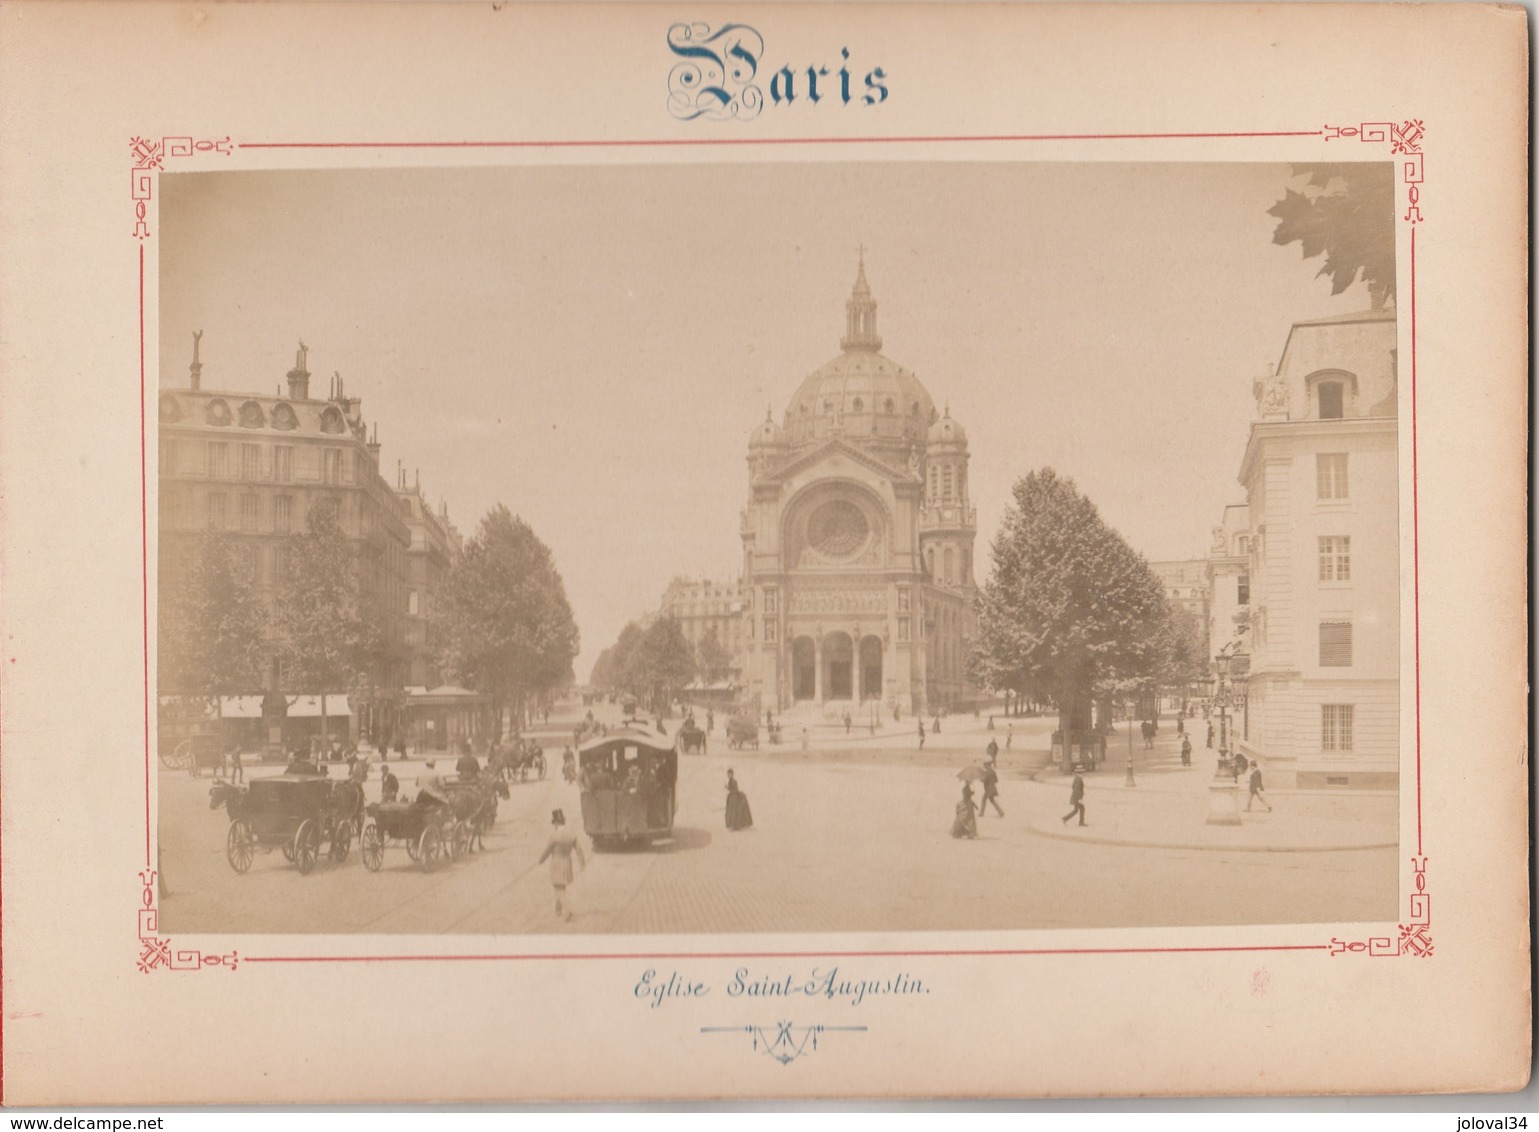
804, 668
838, 667
871, 668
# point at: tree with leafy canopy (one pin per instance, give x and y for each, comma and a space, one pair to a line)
503, 618
1347, 214
325, 637
712, 657
1183, 647
210, 627
1069, 604
664, 662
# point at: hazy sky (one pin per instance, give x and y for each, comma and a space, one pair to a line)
592, 345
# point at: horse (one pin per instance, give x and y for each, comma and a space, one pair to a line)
227, 795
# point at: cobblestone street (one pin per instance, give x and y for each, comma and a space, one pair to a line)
849, 836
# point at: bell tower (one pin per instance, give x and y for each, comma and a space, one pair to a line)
860, 315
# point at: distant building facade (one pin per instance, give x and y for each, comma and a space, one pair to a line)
1321, 478
858, 541
252, 465
1185, 582
1227, 568
701, 606
435, 545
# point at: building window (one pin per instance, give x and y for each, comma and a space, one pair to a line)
283, 464
332, 470
1242, 589
1335, 558
946, 482
903, 629
218, 460
216, 510
769, 601
250, 462
283, 514
1336, 727
949, 559
1330, 475
934, 481
170, 458
1335, 644
769, 629
248, 513
1331, 394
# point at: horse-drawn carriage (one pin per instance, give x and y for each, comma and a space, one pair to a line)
474, 801
295, 813
426, 831
742, 733
527, 760
691, 738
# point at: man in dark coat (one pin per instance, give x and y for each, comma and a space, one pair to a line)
1076, 799
1255, 789
990, 787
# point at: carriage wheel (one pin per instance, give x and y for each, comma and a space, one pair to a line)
371, 847
459, 841
288, 851
489, 816
341, 841
429, 845
307, 847
238, 846
539, 764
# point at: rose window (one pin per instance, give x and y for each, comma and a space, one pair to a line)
838, 529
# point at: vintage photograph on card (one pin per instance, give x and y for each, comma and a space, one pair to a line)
773, 546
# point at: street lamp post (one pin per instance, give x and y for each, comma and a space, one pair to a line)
1224, 790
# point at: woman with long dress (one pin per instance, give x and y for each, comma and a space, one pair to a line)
739, 816
966, 822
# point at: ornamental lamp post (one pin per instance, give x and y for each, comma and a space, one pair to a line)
1223, 791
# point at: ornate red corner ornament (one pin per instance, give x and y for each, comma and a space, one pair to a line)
1404, 140
156, 952
150, 157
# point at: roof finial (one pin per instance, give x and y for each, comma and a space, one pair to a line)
196, 368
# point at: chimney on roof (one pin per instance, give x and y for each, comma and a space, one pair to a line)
374, 444
196, 369
299, 376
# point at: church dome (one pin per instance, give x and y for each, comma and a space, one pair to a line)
860, 393
947, 431
766, 434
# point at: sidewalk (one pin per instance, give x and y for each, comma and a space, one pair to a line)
1168, 808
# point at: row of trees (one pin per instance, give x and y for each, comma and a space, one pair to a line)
501, 623
1073, 613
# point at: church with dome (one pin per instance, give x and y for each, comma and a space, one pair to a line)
858, 542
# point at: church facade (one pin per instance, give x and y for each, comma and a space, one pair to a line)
858, 542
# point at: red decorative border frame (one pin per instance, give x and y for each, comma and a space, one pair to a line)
156, 952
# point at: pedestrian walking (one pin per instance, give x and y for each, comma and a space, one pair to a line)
1009, 735
1210, 735
560, 850
921, 734
1076, 799
739, 816
1255, 789
847, 722
992, 750
237, 771
1186, 750
937, 725
1180, 726
965, 824
806, 738
990, 789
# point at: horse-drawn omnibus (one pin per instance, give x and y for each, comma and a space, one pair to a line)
629, 781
